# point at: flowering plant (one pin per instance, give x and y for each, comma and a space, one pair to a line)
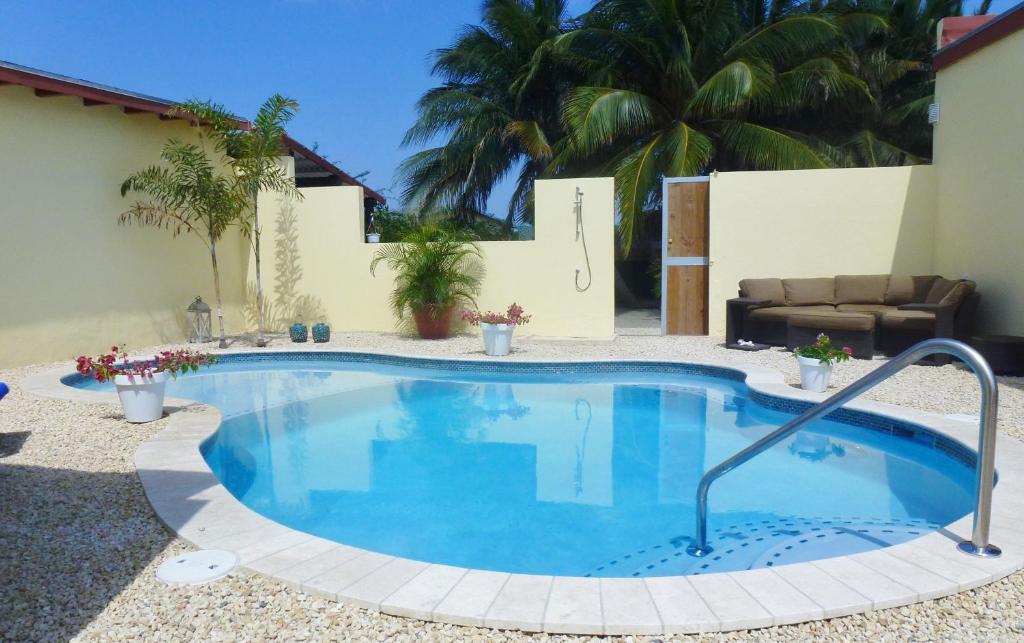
514, 315
823, 351
106, 366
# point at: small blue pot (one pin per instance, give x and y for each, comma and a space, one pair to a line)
298, 332
321, 333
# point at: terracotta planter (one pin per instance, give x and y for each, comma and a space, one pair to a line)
434, 325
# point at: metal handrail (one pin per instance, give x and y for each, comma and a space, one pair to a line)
978, 545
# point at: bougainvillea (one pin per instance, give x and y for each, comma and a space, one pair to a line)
116, 362
514, 315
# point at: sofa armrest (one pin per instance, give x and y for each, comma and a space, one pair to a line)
748, 301
944, 316
928, 308
736, 315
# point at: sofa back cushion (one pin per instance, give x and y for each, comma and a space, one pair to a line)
770, 289
907, 290
961, 291
861, 289
810, 292
940, 289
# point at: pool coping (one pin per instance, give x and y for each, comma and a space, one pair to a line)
192, 503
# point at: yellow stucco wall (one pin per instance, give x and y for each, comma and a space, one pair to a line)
316, 264
817, 223
71, 280
979, 165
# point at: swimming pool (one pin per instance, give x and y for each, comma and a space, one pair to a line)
564, 469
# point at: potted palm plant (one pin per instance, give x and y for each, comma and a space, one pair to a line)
816, 361
436, 270
140, 385
497, 328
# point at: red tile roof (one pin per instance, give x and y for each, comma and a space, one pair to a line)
982, 36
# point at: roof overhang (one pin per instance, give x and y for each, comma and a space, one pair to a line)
991, 31
46, 84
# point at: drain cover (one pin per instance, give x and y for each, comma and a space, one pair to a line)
197, 567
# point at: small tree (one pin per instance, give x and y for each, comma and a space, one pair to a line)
253, 153
187, 194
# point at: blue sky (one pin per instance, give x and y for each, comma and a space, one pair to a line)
356, 66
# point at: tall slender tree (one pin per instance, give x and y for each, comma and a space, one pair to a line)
253, 152
187, 193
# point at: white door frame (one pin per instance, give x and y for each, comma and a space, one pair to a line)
666, 261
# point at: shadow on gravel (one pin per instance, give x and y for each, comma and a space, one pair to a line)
11, 443
70, 541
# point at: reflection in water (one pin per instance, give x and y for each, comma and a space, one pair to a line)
578, 478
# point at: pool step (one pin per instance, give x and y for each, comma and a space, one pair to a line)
767, 543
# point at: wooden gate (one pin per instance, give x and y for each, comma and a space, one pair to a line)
684, 256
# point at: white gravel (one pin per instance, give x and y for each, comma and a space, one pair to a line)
79, 544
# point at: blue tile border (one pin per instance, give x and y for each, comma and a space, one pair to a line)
900, 429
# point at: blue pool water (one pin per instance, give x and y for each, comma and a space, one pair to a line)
561, 470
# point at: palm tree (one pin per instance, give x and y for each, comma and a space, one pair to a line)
497, 109
679, 87
187, 194
888, 46
253, 154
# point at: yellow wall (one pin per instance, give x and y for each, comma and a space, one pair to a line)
71, 280
316, 263
817, 223
979, 165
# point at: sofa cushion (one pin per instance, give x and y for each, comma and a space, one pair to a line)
770, 289
961, 291
909, 320
810, 292
940, 289
868, 309
782, 313
861, 289
822, 321
906, 290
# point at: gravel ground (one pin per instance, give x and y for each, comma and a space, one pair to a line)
79, 544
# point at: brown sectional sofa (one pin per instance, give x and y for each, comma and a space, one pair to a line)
906, 309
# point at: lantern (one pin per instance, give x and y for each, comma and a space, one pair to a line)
199, 322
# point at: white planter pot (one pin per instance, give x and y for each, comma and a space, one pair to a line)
373, 237
142, 398
814, 375
497, 338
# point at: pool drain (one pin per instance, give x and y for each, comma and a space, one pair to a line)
197, 567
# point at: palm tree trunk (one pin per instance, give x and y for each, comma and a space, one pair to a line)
261, 339
216, 292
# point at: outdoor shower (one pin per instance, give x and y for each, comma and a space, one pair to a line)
580, 236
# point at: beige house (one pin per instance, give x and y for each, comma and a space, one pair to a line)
71, 280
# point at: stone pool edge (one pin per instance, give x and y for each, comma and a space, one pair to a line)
192, 503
